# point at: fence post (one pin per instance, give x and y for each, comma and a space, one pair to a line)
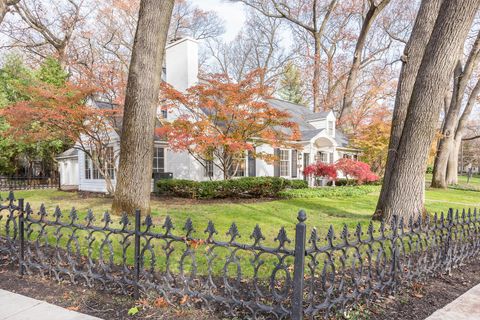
21, 227
137, 254
299, 266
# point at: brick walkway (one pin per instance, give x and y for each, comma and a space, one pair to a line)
17, 307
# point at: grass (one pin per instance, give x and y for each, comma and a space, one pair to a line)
329, 208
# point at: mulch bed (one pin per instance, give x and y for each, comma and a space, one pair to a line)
423, 299
417, 302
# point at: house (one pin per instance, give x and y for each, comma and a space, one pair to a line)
319, 141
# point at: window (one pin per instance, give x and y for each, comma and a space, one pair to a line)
284, 163
158, 160
322, 157
164, 113
355, 157
95, 172
88, 167
331, 157
330, 128
346, 156
208, 168
238, 165
110, 158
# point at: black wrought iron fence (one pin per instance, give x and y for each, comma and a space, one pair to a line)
23, 183
314, 276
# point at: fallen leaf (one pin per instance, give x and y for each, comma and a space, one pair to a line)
73, 308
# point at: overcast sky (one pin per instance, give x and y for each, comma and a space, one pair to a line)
232, 13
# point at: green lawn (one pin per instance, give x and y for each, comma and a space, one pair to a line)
270, 215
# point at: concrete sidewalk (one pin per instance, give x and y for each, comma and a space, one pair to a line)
17, 307
465, 307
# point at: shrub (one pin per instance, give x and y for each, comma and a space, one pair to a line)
430, 169
248, 187
296, 184
346, 191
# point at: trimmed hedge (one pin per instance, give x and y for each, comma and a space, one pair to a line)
247, 187
346, 191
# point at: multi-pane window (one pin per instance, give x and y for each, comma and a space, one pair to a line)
330, 128
95, 172
284, 163
158, 160
238, 167
110, 158
331, 157
209, 168
88, 167
323, 157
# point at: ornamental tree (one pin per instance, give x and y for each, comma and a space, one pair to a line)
321, 169
220, 120
60, 113
360, 171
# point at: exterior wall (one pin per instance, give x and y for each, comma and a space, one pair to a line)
68, 171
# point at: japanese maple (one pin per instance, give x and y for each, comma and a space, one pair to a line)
61, 113
220, 120
358, 170
321, 169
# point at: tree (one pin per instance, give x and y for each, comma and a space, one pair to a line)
136, 148
58, 114
406, 188
312, 17
321, 170
257, 46
5, 7
461, 77
291, 85
373, 138
352, 78
224, 119
411, 60
42, 34
360, 171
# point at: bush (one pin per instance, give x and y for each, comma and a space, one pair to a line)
430, 169
296, 184
346, 191
248, 187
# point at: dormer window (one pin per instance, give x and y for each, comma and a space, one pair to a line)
330, 127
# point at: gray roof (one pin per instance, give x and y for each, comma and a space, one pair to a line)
302, 115
70, 153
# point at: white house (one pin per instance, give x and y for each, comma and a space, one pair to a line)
320, 141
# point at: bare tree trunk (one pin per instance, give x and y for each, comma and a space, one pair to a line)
141, 101
452, 166
316, 74
412, 58
405, 195
352, 78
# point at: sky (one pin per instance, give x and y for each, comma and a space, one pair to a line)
232, 13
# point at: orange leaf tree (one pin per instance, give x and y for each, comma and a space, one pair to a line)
62, 113
219, 121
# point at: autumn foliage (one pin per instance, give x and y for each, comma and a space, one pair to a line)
220, 120
351, 169
321, 169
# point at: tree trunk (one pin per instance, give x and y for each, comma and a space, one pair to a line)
352, 78
136, 149
405, 195
412, 58
316, 73
452, 166
445, 145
